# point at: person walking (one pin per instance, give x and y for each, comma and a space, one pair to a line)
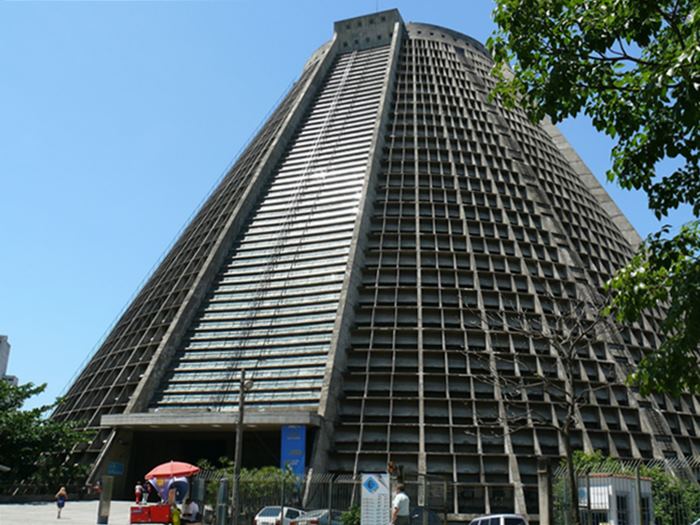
138, 492
400, 514
61, 497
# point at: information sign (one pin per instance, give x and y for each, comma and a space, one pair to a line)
115, 468
376, 499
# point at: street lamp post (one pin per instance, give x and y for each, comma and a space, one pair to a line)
245, 386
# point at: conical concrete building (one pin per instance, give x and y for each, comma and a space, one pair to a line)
350, 261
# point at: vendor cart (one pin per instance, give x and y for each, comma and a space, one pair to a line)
151, 514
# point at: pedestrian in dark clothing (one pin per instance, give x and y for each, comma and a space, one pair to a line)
61, 497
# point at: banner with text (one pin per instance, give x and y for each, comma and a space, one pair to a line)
293, 449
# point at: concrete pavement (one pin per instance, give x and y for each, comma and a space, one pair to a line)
74, 513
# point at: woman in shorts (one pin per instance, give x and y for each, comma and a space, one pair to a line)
61, 497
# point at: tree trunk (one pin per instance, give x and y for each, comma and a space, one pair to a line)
572, 489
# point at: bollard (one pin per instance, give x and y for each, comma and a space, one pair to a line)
105, 500
222, 502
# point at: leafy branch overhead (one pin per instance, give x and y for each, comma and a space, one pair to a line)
36, 449
634, 68
666, 271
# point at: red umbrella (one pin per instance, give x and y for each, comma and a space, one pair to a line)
172, 469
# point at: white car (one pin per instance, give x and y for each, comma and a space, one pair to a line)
499, 519
272, 516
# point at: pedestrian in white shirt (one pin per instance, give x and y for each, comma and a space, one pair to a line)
190, 510
400, 507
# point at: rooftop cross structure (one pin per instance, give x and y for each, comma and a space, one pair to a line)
341, 261
4, 360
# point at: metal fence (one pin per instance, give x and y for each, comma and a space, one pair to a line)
609, 491
658, 492
334, 493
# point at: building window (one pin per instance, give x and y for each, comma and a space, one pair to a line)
597, 517
622, 509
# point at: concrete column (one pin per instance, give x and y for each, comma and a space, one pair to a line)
544, 486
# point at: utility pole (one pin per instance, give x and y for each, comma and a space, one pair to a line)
243, 387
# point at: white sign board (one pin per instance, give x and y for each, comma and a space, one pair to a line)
376, 499
600, 499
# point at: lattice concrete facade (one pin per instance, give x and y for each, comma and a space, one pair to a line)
345, 262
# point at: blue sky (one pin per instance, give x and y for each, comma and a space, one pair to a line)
117, 118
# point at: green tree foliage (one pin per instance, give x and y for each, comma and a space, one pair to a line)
666, 271
675, 499
352, 516
258, 486
33, 447
632, 66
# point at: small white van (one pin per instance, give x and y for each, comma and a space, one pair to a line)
499, 519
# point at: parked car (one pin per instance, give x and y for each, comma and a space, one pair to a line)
320, 517
499, 519
272, 516
417, 516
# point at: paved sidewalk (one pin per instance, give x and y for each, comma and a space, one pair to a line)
74, 513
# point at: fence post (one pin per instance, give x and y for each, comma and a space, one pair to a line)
198, 490
282, 500
638, 487
426, 500
221, 502
354, 487
589, 516
544, 490
444, 501
330, 500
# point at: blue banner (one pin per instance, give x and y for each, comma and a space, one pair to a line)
293, 449
115, 468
